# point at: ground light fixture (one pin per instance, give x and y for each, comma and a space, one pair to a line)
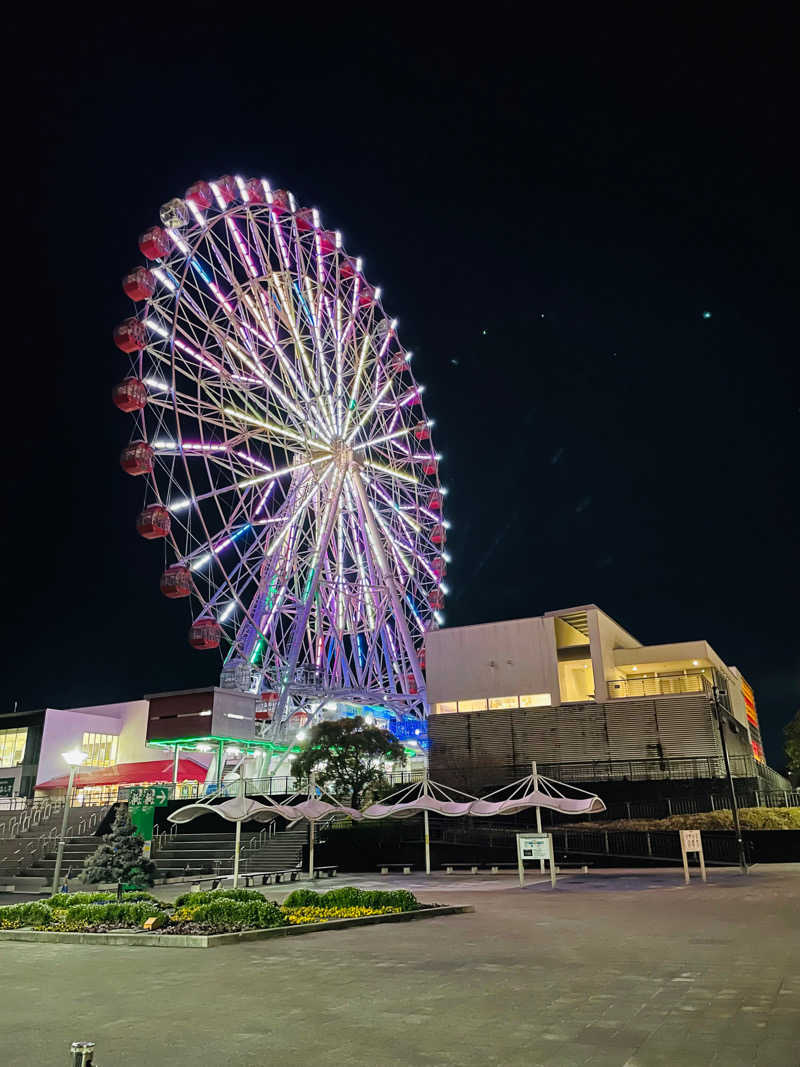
75, 758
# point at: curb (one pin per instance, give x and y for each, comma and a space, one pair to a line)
138, 938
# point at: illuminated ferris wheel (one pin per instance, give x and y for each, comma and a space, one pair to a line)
286, 452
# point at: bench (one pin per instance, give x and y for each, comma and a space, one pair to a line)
253, 878
384, 868
449, 868
329, 871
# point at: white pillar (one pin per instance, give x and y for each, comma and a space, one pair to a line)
427, 844
535, 776
236, 854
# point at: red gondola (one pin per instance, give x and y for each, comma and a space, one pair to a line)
280, 201
421, 657
130, 394
154, 243
200, 195
422, 431
347, 268
435, 501
228, 190
255, 191
305, 219
366, 295
436, 600
137, 458
439, 566
415, 400
411, 683
153, 522
327, 242
438, 534
130, 335
176, 582
430, 465
398, 363
204, 633
140, 284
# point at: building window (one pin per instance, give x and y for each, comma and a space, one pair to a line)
101, 749
472, 705
535, 700
446, 707
12, 745
501, 703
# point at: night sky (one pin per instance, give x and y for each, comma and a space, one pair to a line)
550, 208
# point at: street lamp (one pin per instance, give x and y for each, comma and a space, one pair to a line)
74, 758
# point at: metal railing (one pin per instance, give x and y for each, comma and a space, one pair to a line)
659, 685
28, 818
667, 806
652, 769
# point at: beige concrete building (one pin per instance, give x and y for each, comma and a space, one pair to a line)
581, 688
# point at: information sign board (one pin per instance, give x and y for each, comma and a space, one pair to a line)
7, 787
154, 795
535, 847
692, 841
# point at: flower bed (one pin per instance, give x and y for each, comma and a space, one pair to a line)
211, 912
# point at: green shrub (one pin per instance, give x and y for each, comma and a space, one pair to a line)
131, 913
203, 896
30, 913
350, 897
43, 915
302, 898
73, 900
231, 914
750, 818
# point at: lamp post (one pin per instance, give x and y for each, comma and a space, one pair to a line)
715, 696
74, 758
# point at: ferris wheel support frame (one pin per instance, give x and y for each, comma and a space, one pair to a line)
400, 621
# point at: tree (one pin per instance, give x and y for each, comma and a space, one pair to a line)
791, 733
347, 755
120, 857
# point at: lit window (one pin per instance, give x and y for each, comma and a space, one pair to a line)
472, 705
12, 745
448, 707
499, 703
535, 700
101, 749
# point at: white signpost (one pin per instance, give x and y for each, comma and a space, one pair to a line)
535, 847
691, 841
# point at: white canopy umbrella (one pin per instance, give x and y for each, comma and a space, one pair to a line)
424, 796
313, 808
536, 791
237, 809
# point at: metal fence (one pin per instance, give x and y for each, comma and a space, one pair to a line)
680, 768
667, 806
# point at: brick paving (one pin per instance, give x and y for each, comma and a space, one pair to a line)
625, 969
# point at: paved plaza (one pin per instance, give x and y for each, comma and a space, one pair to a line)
614, 968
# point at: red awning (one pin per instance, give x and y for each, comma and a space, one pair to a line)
150, 772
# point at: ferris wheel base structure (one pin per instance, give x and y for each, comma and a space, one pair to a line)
237, 730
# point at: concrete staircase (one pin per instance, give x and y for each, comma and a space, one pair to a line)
205, 853
28, 861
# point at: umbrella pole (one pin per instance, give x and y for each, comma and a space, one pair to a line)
311, 792
236, 854
427, 844
535, 776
